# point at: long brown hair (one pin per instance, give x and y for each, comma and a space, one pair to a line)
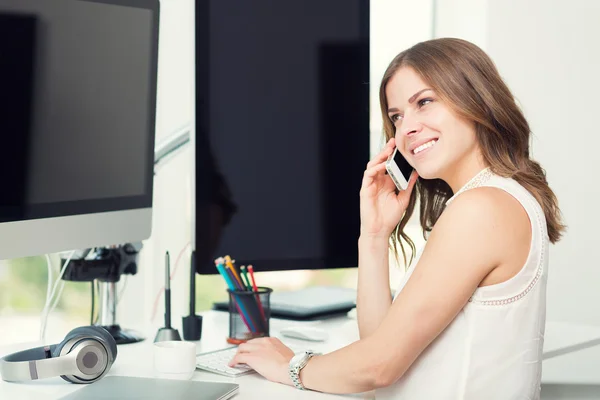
467, 80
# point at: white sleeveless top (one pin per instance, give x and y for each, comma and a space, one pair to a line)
492, 350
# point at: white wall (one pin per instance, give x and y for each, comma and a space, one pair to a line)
395, 26
172, 203
465, 19
547, 52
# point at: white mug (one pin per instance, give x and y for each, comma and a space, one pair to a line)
174, 359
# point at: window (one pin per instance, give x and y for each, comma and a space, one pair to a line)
23, 285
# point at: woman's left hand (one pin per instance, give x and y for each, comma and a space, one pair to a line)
267, 356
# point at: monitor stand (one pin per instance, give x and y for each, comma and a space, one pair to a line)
106, 265
107, 316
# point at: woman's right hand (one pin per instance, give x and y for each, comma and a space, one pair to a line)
380, 207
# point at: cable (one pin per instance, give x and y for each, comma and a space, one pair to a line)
46, 311
93, 296
49, 288
57, 298
99, 301
122, 289
162, 289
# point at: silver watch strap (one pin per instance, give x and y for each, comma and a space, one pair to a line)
295, 371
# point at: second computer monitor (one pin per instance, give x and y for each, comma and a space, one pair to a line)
77, 118
282, 132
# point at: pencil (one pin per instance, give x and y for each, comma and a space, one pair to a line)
231, 286
245, 278
230, 265
262, 311
256, 303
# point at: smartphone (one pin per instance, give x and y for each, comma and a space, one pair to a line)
398, 169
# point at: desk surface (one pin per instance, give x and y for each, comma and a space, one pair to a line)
136, 360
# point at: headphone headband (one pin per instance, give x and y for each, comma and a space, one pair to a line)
24, 365
37, 353
27, 365
62, 359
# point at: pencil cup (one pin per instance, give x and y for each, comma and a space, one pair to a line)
249, 314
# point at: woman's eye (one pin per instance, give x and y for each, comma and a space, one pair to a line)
425, 101
396, 117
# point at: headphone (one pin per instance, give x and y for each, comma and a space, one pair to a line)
84, 356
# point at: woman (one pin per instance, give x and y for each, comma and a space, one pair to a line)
468, 318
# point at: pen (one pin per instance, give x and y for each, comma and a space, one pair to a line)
167, 291
193, 283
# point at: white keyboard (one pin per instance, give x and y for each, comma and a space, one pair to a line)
217, 361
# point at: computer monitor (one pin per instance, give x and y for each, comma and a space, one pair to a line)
77, 119
282, 132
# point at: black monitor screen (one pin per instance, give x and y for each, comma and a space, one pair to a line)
282, 131
77, 106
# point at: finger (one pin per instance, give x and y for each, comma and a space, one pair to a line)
383, 154
374, 170
241, 358
248, 347
411, 183
259, 341
371, 173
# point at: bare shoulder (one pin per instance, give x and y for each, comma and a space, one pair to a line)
487, 202
491, 219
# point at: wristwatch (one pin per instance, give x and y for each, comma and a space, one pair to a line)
298, 362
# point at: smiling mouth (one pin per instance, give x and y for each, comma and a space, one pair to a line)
424, 146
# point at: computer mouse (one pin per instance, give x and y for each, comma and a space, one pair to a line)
309, 333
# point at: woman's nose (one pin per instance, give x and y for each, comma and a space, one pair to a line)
409, 127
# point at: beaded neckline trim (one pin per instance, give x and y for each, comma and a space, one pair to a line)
479, 179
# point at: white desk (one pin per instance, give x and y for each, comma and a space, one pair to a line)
576, 367
137, 360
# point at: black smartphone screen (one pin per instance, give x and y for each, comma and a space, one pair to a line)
403, 165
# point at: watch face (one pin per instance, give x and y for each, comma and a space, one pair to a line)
296, 359
299, 358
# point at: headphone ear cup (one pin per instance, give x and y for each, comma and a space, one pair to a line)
104, 350
71, 335
100, 332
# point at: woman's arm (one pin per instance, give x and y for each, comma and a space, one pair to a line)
465, 245
380, 210
468, 241
373, 296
